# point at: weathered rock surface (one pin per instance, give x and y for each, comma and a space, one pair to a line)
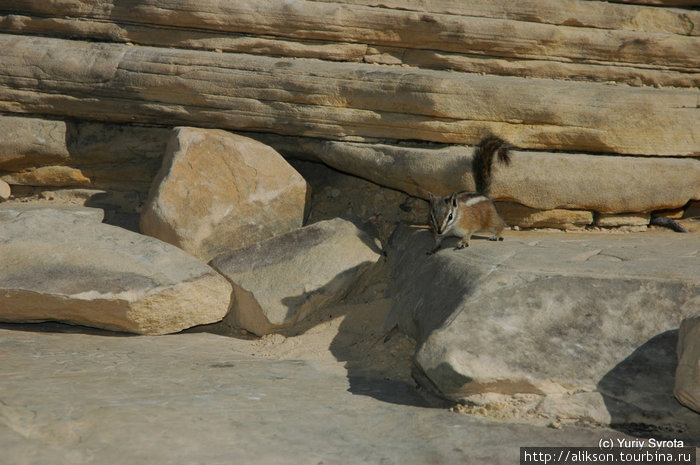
43, 152
572, 327
5, 191
331, 100
48, 176
687, 389
612, 221
280, 281
218, 191
519, 215
537, 29
339, 195
64, 265
12, 211
218, 27
184, 398
539, 180
29, 142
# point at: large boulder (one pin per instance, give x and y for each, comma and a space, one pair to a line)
687, 388
280, 281
558, 325
218, 191
64, 265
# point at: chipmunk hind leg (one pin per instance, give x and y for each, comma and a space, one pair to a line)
497, 230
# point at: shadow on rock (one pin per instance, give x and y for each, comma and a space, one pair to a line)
638, 394
378, 366
63, 328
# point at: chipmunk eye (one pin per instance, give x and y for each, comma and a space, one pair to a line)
449, 217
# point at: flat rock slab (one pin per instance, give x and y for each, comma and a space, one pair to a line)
64, 265
582, 326
280, 281
11, 211
74, 398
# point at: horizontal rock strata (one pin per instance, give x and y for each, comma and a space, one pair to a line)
538, 180
118, 83
64, 265
515, 214
75, 153
43, 152
582, 77
571, 39
564, 31
608, 221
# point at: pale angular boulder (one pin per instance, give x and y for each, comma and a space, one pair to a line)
218, 191
687, 389
280, 281
5, 191
64, 265
564, 321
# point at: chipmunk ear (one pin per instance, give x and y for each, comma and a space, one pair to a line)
453, 199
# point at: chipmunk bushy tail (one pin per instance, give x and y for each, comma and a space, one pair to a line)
483, 160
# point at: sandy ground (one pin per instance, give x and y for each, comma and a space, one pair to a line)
349, 333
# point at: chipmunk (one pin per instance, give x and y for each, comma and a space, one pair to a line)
463, 213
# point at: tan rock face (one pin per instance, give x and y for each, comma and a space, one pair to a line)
64, 265
687, 389
281, 281
613, 221
332, 100
519, 215
49, 176
5, 191
218, 191
42, 152
580, 77
32, 142
539, 180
